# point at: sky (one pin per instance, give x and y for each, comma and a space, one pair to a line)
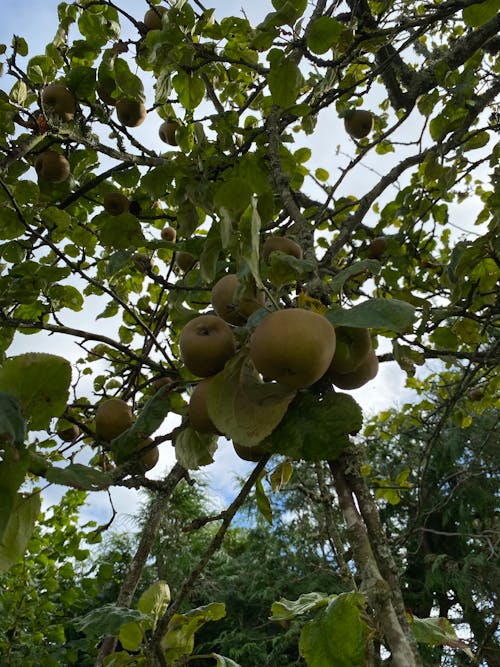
37, 21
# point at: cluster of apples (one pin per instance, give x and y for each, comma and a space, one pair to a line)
294, 347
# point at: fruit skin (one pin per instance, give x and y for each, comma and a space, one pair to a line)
357, 378
60, 100
169, 234
198, 411
69, 433
149, 459
167, 132
294, 347
130, 113
52, 167
206, 343
115, 203
112, 418
283, 244
353, 348
151, 19
377, 247
184, 260
224, 305
254, 453
358, 123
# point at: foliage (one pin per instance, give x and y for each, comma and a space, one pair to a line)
252, 97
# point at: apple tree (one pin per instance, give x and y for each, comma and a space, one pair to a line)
237, 219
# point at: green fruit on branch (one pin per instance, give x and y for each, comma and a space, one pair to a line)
352, 349
52, 167
185, 260
254, 453
167, 132
115, 203
365, 372
113, 416
234, 311
282, 244
198, 410
130, 113
358, 123
377, 247
169, 234
206, 343
66, 432
294, 347
60, 100
152, 18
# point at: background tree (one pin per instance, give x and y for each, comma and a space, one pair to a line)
86, 201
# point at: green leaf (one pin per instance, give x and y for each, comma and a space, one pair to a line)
210, 255
338, 636
121, 231
323, 34
234, 195
129, 84
365, 266
155, 600
79, 477
316, 428
249, 226
190, 89
281, 475
82, 81
479, 13
41, 69
283, 269
243, 407
263, 504
41, 383
193, 449
179, 638
12, 423
131, 636
285, 81
150, 418
390, 314
287, 610
107, 620
437, 632
16, 533
65, 296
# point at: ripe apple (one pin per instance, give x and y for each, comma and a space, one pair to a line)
254, 453
357, 378
67, 431
358, 123
52, 167
113, 416
167, 132
206, 343
198, 410
377, 247
60, 100
169, 234
130, 113
283, 244
294, 347
353, 347
185, 260
149, 459
152, 18
115, 203
232, 311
